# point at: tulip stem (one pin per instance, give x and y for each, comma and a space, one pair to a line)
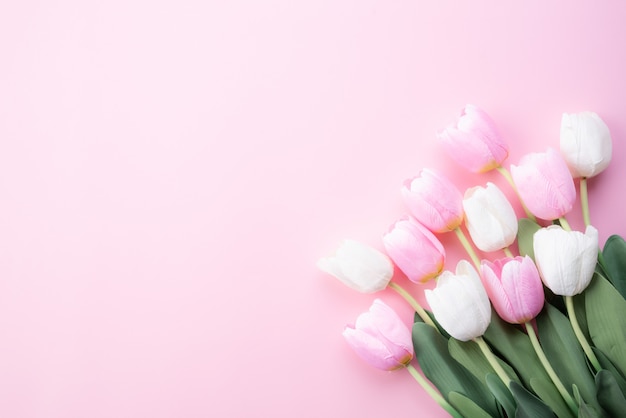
564, 224
493, 361
505, 173
508, 252
432, 392
548, 367
414, 304
584, 200
569, 304
468, 247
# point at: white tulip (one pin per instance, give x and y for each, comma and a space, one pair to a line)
358, 266
489, 217
566, 259
585, 143
460, 303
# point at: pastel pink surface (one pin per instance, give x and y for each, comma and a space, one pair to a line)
171, 171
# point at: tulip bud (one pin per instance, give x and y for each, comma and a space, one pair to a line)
474, 142
585, 143
490, 218
545, 184
381, 338
358, 266
434, 201
566, 259
460, 303
514, 288
415, 250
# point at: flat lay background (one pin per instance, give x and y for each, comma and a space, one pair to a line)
170, 171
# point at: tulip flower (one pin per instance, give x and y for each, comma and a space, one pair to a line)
474, 142
490, 218
460, 303
514, 288
566, 259
358, 266
415, 250
585, 143
434, 201
545, 184
381, 338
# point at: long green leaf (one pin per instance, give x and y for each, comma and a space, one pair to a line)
525, 231
606, 317
565, 353
607, 365
514, 346
614, 262
528, 405
431, 351
609, 394
466, 406
502, 393
469, 354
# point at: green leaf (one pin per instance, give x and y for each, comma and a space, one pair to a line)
581, 313
528, 405
614, 262
606, 317
431, 351
584, 411
466, 406
469, 354
610, 396
525, 231
607, 365
417, 318
502, 394
514, 346
564, 352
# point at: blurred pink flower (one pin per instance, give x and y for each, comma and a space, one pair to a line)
514, 287
434, 201
474, 142
460, 303
415, 250
381, 338
545, 184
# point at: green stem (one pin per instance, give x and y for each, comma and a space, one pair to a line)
508, 252
564, 224
493, 361
414, 304
548, 367
505, 173
569, 304
584, 200
432, 392
468, 247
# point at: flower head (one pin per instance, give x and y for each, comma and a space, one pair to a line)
415, 250
381, 338
434, 201
489, 217
585, 143
460, 303
545, 184
474, 142
514, 288
566, 259
358, 266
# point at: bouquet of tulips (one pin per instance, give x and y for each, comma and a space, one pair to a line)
556, 343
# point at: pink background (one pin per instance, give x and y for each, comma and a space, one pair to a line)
170, 171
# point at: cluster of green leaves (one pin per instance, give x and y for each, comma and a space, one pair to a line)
468, 382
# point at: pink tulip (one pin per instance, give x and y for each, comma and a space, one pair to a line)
545, 184
474, 142
514, 287
434, 201
381, 338
415, 250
